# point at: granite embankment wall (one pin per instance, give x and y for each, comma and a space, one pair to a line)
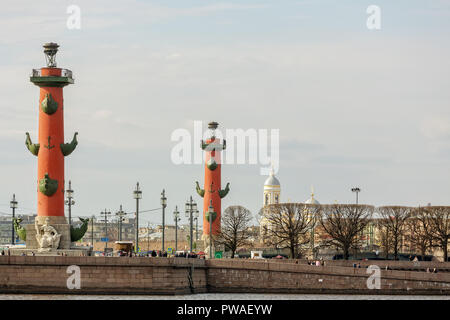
102, 275
124, 275
291, 277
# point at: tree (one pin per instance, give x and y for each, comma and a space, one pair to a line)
439, 226
234, 228
384, 238
288, 225
417, 233
343, 223
394, 218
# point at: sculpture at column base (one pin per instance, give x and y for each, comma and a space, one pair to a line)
47, 236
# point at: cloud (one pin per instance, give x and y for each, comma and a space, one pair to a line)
436, 128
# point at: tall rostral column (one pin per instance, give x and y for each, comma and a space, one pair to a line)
212, 192
51, 148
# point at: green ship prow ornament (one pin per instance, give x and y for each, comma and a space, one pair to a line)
47, 185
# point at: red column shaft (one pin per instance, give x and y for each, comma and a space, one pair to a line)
212, 176
50, 157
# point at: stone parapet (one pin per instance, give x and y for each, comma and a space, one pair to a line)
144, 275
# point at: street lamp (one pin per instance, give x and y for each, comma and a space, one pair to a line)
137, 194
356, 190
69, 201
196, 225
190, 208
164, 205
92, 231
176, 218
210, 213
106, 213
120, 214
13, 205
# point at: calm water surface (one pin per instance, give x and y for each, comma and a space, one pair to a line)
219, 296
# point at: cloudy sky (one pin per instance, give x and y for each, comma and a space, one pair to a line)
355, 107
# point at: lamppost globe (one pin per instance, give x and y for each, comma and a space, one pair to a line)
13, 203
163, 199
137, 194
187, 209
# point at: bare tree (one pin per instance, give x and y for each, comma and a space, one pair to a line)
384, 238
417, 233
288, 225
343, 223
439, 226
235, 225
394, 218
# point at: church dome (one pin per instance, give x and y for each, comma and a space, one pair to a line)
311, 200
272, 181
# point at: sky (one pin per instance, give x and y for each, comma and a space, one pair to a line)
354, 107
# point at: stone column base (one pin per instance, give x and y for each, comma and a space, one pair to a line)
59, 223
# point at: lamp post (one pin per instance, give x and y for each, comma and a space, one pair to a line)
190, 208
70, 202
164, 205
92, 232
106, 213
210, 212
312, 236
176, 218
148, 236
137, 194
356, 190
13, 205
196, 225
120, 215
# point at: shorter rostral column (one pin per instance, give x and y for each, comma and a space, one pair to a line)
212, 193
51, 148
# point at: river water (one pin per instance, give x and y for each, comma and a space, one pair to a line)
219, 296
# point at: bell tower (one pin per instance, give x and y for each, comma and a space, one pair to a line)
272, 190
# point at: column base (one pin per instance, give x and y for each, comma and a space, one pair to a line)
57, 222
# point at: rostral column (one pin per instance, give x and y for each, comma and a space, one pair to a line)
212, 193
51, 148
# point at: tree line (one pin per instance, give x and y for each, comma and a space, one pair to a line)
292, 226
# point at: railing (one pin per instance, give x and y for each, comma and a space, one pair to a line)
64, 73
